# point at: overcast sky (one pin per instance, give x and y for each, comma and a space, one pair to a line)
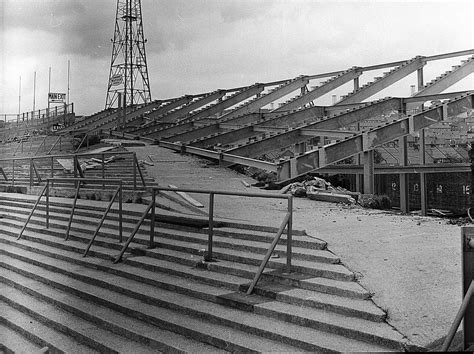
198, 46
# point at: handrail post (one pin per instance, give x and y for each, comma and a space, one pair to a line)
152, 220
47, 204
120, 213
103, 167
134, 171
289, 234
72, 211
31, 173
208, 257
13, 172
458, 319
268, 254
52, 167
101, 221
132, 235
33, 210
139, 169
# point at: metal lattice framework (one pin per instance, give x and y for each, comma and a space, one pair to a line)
128, 68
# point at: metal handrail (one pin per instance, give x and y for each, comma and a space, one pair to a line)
269, 253
79, 182
78, 172
3, 173
72, 211
34, 208
151, 205
118, 192
287, 223
458, 318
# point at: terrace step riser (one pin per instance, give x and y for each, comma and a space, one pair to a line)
158, 244
160, 323
52, 324
161, 234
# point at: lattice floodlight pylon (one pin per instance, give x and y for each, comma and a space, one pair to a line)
128, 68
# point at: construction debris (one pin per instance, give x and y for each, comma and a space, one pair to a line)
319, 189
187, 198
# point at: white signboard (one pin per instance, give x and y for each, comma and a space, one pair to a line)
56, 97
116, 80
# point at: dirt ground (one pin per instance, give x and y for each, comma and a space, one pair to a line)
411, 264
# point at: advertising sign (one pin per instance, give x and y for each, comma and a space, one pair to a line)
116, 80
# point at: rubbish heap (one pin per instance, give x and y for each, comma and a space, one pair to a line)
319, 189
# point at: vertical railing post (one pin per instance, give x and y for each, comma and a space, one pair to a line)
13, 172
208, 256
52, 167
289, 234
103, 166
47, 204
120, 212
72, 211
134, 163
31, 173
74, 162
467, 234
152, 219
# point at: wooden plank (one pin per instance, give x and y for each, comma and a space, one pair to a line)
186, 197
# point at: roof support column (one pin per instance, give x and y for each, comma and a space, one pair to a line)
369, 174
356, 83
467, 233
423, 190
403, 147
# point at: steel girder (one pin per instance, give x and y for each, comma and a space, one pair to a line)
388, 79
368, 140
294, 136
331, 84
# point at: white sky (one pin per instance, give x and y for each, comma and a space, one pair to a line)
198, 46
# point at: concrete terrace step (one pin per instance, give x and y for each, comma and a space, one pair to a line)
137, 300
207, 283
12, 342
193, 240
21, 293
247, 271
150, 313
18, 319
254, 238
134, 330
183, 252
180, 279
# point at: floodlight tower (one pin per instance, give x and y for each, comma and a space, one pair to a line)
128, 75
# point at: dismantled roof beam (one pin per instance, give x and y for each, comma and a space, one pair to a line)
294, 136
448, 79
328, 133
331, 84
388, 79
208, 129
366, 141
168, 107
293, 119
273, 95
192, 106
227, 102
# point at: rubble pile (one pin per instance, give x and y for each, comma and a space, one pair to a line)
319, 189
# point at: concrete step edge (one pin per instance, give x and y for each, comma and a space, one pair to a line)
185, 324
173, 284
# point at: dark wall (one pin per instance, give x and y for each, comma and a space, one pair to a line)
450, 191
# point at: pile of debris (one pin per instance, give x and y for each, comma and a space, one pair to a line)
319, 189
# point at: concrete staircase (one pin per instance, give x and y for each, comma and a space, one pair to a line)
168, 298
120, 167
